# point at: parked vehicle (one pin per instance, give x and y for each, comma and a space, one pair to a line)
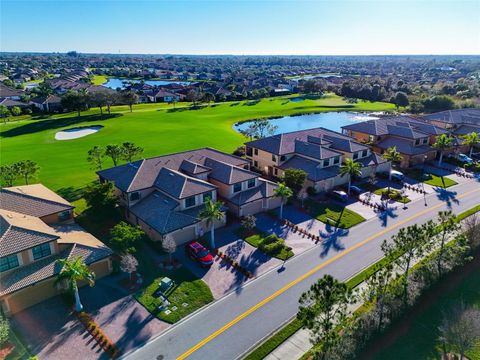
355, 190
465, 159
396, 175
340, 195
199, 253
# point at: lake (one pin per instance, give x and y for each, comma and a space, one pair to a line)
329, 120
114, 83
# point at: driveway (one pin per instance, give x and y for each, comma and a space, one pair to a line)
221, 277
51, 331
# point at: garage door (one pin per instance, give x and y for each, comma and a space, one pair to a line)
31, 296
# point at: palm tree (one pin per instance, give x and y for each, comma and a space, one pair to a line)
283, 192
471, 140
73, 271
442, 143
392, 155
350, 168
211, 212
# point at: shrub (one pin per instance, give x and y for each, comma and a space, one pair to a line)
4, 329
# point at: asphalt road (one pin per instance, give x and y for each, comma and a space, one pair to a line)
229, 327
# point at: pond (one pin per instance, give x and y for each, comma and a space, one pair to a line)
329, 120
75, 133
114, 83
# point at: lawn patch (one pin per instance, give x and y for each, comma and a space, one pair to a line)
188, 289
431, 179
271, 245
393, 195
329, 213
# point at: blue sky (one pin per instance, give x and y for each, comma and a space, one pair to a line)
242, 27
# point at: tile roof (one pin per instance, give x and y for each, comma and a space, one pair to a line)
404, 146
142, 174
159, 212
372, 159
393, 125
22, 202
262, 191
6, 91
20, 232
314, 173
48, 267
192, 168
460, 116
314, 150
282, 144
179, 185
466, 129
227, 173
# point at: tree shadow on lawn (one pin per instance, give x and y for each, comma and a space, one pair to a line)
447, 196
331, 237
50, 124
71, 193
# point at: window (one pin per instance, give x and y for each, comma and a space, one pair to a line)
251, 183
417, 142
41, 251
282, 158
255, 163
364, 153
425, 140
8, 262
190, 201
249, 151
326, 162
355, 156
336, 160
275, 171
207, 196
64, 215
237, 187
134, 196
255, 151
274, 158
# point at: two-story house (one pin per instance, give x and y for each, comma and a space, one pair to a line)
412, 138
319, 152
164, 195
458, 123
36, 230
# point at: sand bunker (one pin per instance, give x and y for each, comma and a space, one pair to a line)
75, 133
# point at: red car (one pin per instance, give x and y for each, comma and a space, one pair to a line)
198, 253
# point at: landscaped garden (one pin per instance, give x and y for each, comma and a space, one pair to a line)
392, 194
333, 214
431, 179
188, 294
170, 130
271, 245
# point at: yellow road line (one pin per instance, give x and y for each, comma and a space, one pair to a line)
306, 275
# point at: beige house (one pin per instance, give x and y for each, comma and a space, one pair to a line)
319, 152
164, 195
37, 229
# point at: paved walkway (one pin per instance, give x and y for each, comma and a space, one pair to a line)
221, 277
51, 331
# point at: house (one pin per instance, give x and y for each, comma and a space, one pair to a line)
164, 195
10, 93
164, 96
458, 123
412, 138
36, 230
49, 103
9, 103
319, 152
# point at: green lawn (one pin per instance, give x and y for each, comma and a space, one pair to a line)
158, 128
188, 289
336, 215
431, 179
99, 79
393, 194
283, 254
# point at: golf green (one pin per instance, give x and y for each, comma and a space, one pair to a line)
158, 128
